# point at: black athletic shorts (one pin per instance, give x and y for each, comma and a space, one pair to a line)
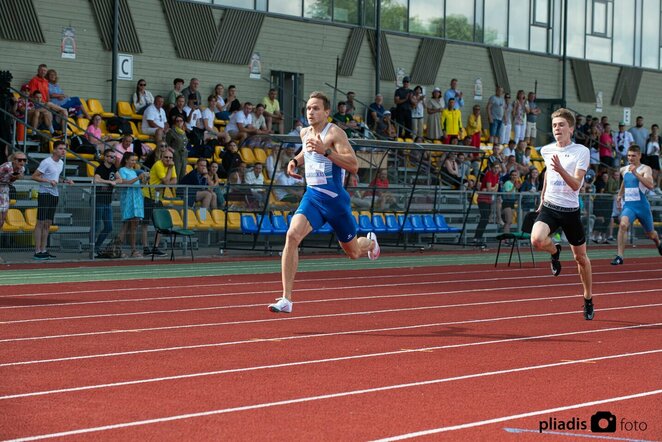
150, 205
567, 219
46, 205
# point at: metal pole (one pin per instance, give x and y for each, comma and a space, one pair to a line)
116, 44
335, 85
378, 45
565, 52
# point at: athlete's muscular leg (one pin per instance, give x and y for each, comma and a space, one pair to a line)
357, 247
540, 238
584, 267
623, 234
299, 229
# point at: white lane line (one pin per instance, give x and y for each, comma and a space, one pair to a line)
321, 361
227, 284
378, 390
519, 416
331, 315
256, 340
345, 299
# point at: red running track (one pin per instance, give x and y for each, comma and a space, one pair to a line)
438, 353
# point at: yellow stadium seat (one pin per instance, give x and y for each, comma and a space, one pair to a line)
176, 218
137, 133
31, 219
125, 110
192, 221
94, 106
14, 222
72, 129
205, 220
170, 199
91, 167
247, 156
260, 155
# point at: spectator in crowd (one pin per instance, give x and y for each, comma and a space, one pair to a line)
106, 177
255, 178
155, 121
178, 110
199, 191
193, 88
530, 190
272, 112
156, 155
356, 196
40, 83
622, 141
10, 171
287, 188
375, 112
48, 177
507, 122
474, 126
174, 94
349, 102
94, 136
639, 132
601, 125
232, 103
451, 121
303, 118
606, 150
161, 174
177, 139
38, 114
488, 185
260, 122
131, 200
380, 185
495, 110
386, 128
57, 96
607, 141
125, 145
142, 98
434, 106
509, 149
509, 190
208, 117
417, 112
450, 173
580, 135
215, 185
193, 114
532, 112
286, 155
230, 158
652, 155
519, 116
456, 94
241, 126
344, 120
219, 110
403, 104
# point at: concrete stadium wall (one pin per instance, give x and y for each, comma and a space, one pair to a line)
293, 46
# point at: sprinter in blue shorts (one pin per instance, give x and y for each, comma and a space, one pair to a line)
325, 156
637, 182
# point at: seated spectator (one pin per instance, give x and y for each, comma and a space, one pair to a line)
177, 139
208, 117
125, 145
215, 184
241, 126
72, 105
357, 197
173, 95
230, 158
156, 155
12, 170
349, 102
344, 120
287, 188
232, 103
219, 92
155, 121
286, 155
178, 110
530, 190
386, 128
38, 114
272, 112
375, 112
255, 178
199, 191
509, 191
509, 149
450, 173
386, 198
94, 136
142, 98
259, 121
193, 113
193, 88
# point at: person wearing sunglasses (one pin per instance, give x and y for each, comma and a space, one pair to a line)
10, 171
141, 98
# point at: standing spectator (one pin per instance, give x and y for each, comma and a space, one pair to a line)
106, 177
622, 142
193, 88
58, 97
272, 112
456, 94
9, 172
155, 121
495, 110
176, 138
607, 141
532, 112
639, 132
173, 95
241, 126
434, 106
580, 134
131, 200
488, 185
451, 121
507, 125
475, 126
417, 111
162, 174
48, 177
142, 98
198, 190
519, 116
375, 112
403, 104
652, 157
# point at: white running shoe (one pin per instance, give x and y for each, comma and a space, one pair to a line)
283, 305
374, 253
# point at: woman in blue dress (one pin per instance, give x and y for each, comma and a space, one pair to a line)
131, 200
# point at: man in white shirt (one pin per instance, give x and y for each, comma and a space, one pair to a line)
622, 142
241, 126
567, 164
256, 179
208, 117
155, 120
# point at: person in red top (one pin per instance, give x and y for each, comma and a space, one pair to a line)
40, 83
489, 183
607, 144
386, 199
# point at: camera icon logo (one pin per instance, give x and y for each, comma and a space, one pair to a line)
603, 422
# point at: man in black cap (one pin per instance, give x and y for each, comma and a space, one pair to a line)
403, 105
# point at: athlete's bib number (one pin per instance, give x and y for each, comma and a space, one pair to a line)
315, 175
632, 194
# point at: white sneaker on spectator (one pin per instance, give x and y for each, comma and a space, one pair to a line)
375, 252
283, 305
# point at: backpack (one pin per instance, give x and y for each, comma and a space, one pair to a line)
111, 251
118, 125
80, 144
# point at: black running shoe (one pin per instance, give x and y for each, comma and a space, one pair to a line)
588, 309
659, 248
49, 256
158, 252
617, 261
556, 264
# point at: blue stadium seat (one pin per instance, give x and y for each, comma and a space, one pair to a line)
406, 223
250, 226
365, 225
378, 225
391, 223
279, 224
417, 223
266, 226
443, 226
428, 222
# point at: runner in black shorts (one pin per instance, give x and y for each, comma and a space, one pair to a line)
567, 164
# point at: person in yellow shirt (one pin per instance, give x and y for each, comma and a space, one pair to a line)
272, 113
161, 174
475, 126
451, 121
